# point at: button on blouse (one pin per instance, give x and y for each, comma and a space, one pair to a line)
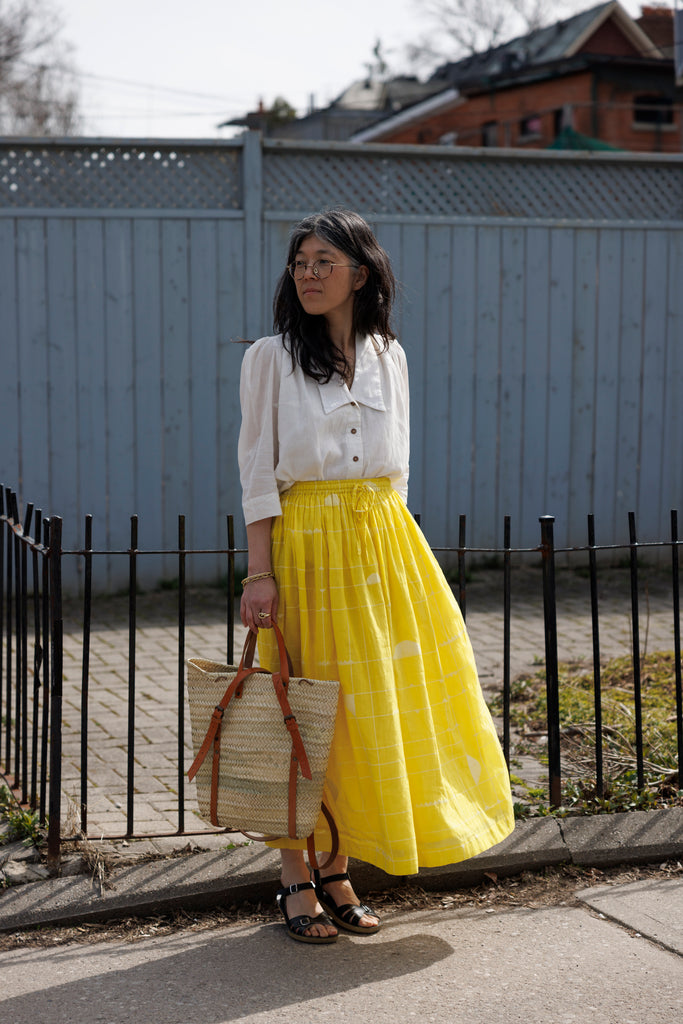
294, 429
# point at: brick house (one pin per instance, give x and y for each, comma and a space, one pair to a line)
600, 73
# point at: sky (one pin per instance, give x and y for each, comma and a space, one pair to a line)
177, 68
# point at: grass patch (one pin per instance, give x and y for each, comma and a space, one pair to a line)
23, 825
528, 716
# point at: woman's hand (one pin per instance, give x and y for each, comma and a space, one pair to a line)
258, 607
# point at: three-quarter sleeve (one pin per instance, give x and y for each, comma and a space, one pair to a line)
258, 444
401, 484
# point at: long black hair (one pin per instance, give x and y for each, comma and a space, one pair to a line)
306, 337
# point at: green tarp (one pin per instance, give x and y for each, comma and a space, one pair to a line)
571, 139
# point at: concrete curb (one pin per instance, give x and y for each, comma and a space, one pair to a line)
205, 880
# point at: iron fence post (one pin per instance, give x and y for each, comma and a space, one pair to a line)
45, 609
132, 636
37, 662
3, 527
231, 589
462, 574
635, 635
597, 685
506, 639
56, 634
551, 667
9, 645
19, 647
85, 670
677, 641
181, 673
23, 641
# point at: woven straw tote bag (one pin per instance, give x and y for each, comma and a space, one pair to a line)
262, 741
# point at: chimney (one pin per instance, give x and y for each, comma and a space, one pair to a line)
658, 24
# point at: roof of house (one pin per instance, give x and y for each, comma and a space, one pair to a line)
535, 51
542, 46
390, 95
362, 103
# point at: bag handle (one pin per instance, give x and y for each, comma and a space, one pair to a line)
280, 683
286, 668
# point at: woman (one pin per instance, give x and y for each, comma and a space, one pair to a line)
416, 776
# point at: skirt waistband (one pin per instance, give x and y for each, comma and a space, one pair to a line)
381, 483
359, 495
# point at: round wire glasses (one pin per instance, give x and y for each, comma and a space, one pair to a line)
321, 268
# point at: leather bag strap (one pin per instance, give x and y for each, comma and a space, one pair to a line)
292, 726
310, 842
217, 718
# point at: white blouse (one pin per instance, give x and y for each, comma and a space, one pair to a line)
296, 429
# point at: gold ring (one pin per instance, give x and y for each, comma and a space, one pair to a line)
263, 615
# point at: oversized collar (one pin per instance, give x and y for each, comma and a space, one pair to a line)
367, 381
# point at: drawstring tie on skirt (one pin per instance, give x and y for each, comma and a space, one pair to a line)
363, 497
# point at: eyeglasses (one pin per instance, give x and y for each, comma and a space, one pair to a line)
321, 268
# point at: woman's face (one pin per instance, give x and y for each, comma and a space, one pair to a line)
331, 297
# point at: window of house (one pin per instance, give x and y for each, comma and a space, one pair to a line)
651, 109
489, 133
530, 126
558, 121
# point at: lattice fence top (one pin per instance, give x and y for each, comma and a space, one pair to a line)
120, 176
475, 185
391, 180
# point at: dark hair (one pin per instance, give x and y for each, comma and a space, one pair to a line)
306, 337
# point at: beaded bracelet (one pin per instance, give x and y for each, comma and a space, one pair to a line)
258, 576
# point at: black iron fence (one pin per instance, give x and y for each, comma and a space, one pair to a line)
32, 760
32, 638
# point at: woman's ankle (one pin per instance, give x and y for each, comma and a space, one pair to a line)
339, 866
293, 867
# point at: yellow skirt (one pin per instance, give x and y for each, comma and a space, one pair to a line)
416, 776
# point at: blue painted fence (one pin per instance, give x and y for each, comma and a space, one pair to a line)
541, 309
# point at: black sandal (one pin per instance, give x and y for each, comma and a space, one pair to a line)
296, 926
347, 915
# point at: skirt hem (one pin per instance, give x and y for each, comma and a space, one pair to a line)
435, 859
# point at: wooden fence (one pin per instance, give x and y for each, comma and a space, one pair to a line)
541, 309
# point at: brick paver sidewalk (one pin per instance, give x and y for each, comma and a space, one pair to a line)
156, 772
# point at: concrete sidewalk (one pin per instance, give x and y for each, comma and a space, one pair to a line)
612, 957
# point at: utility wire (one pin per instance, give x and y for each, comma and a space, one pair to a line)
155, 115
130, 83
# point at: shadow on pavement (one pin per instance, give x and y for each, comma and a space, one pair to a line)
224, 976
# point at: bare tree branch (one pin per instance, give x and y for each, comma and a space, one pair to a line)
38, 93
457, 28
